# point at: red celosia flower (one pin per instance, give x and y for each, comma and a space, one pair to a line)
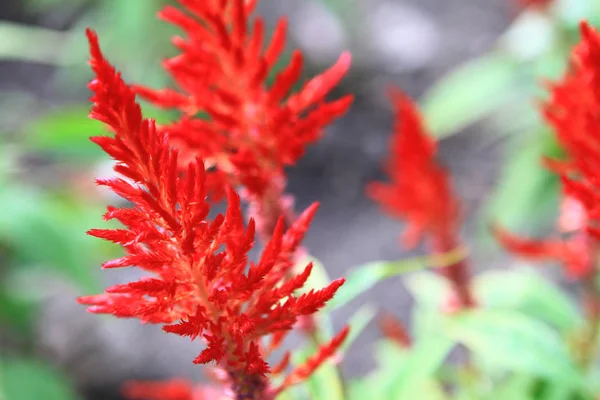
574, 250
574, 112
202, 286
420, 190
420, 193
251, 131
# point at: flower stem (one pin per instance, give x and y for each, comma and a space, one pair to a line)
591, 306
249, 386
458, 274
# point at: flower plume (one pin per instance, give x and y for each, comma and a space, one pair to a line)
200, 284
251, 131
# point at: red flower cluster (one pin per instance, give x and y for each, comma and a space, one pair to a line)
202, 285
420, 192
250, 132
574, 112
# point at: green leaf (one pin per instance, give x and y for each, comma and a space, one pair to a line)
525, 290
366, 276
430, 290
42, 230
15, 312
31, 43
66, 132
515, 387
527, 192
530, 36
358, 322
403, 372
469, 93
512, 342
426, 356
571, 12
30, 379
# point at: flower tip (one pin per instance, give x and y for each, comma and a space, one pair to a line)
312, 209
345, 61
584, 25
338, 283
91, 34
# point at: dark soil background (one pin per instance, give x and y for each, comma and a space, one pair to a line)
407, 43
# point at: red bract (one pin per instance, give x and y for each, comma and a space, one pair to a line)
420, 193
574, 112
420, 190
573, 250
201, 284
251, 131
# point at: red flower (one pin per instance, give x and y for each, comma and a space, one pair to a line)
250, 131
201, 284
574, 112
420, 193
420, 190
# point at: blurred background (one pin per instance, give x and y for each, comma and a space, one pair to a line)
476, 66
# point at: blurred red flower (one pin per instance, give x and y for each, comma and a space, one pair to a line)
420, 193
420, 190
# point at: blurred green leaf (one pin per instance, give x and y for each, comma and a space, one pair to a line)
15, 312
527, 192
509, 341
571, 12
403, 372
530, 36
22, 379
131, 35
66, 132
525, 290
430, 290
358, 322
31, 43
469, 93
515, 387
364, 277
50, 231
426, 356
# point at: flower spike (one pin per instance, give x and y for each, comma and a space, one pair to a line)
251, 131
200, 285
420, 193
